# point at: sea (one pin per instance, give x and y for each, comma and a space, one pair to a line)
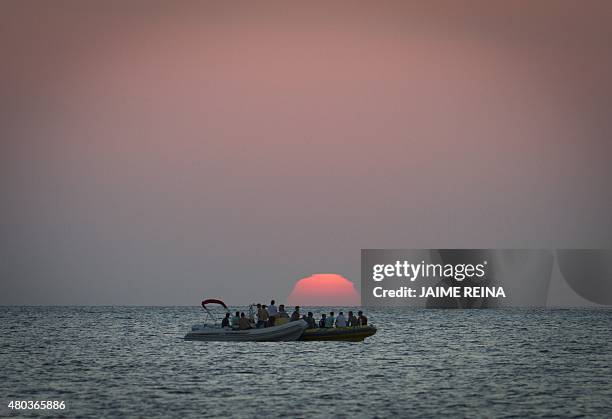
134, 362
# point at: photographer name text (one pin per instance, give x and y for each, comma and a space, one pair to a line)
435, 271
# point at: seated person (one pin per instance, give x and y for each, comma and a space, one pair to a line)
244, 323
352, 319
295, 316
361, 319
322, 321
340, 320
329, 322
235, 320
311, 321
281, 312
226, 320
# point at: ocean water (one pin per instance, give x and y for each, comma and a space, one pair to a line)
132, 361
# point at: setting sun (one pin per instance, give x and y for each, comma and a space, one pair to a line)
324, 290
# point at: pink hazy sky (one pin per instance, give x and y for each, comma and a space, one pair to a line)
156, 151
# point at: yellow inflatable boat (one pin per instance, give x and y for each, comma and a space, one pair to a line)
350, 334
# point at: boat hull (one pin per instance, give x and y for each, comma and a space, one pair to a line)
287, 332
348, 334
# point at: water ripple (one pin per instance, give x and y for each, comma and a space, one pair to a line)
131, 361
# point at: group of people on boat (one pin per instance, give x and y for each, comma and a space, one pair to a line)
329, 321
268, 316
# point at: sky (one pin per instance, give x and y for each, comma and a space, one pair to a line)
156, 153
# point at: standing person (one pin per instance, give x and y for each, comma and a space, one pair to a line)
340, 320
235, 320
329, 322
272, 311
257, 311
352, 320
361, 319
262, 316
322, 321
295, 316
226, 320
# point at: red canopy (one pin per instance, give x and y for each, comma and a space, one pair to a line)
213, 301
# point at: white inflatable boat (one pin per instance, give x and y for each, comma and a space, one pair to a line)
212, 330
285, 332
